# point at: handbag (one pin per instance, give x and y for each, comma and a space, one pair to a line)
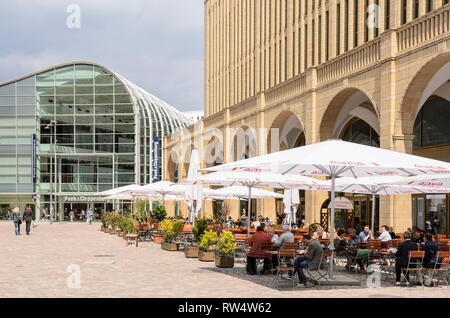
20, 222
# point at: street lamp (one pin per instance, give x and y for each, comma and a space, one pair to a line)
52, 126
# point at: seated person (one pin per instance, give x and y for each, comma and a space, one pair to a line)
310, 260
255, 224
353, 241
402, 256
340, 244
320, 234
417, 235
273, 236
254, 242
366, 235
392, 233
230, 221
303, 224
430, 248
288, 237
385, 236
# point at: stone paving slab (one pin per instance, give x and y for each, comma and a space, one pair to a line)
37, 266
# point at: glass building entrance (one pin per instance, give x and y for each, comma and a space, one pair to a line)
429, 207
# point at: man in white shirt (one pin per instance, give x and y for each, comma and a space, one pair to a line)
385, 236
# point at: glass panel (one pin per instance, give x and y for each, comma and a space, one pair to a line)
420, 213
108, 89
64, 90
436, 115
103, 99
84, 90
104, 109
361, 133
67, 71
45, 90
437, 210
9, 89
25, 90
7, 100
84, 99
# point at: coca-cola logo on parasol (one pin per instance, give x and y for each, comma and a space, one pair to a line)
347, 163
431, 184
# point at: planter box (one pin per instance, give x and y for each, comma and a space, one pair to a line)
102, 228
120, 233
224, 261
206, 256
158, 238
106, 230
169, 246
111, 231
191, 251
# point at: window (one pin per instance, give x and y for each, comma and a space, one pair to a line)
431, 127
360, 132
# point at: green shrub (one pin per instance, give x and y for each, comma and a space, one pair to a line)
225, 244
139, 209
128, 225
199, 228
171, 229
104, 220
207, 241
159, 212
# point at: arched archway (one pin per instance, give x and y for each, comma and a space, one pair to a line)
425, 83
348, 106
244, 144
287, 131
287, 128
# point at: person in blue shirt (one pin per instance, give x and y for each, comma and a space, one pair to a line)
366, 235
230, 221
430, 248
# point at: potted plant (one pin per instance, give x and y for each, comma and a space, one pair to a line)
121, 225
171, 230
107, 222
159, 213
128, 227
114, 223
225, 247
104, 222
207, 242
198, 230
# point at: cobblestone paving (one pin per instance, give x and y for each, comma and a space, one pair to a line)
36, 266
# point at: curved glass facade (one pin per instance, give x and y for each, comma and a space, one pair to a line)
102, 134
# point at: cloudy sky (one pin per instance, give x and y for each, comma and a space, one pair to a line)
157, 44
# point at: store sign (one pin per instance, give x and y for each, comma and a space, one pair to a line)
155, 159
33, 158
78, 199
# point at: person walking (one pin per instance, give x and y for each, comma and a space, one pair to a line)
28, 218
17, 219
90, 215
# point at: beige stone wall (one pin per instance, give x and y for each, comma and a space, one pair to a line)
245, 88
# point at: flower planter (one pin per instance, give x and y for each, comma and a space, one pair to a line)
224, 261
106, 230
113, 232
206, 256
102, 228
169, 246
120, 233
158, 238
191, 251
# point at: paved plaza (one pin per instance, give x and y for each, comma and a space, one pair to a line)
37, 266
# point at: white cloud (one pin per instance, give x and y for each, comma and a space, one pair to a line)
158, 44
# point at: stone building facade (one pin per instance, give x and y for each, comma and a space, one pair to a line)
375, 72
